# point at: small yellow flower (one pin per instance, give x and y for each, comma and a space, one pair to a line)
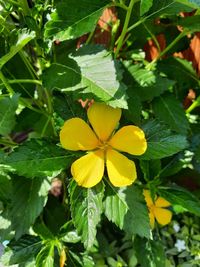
156, 211
103, 146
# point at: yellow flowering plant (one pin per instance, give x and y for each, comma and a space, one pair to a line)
157, 209
61, 207
103, 145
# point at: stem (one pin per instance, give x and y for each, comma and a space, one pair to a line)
178, 38
28, 65
11, 92
125, 27
6, 84
7, 142
45, 126
194, 105
90, 37
136, 24
25, 81
153, 38
121, 5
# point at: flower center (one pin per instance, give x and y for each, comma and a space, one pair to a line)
103, 145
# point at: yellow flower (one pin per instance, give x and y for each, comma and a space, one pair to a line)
156, 211
103, 146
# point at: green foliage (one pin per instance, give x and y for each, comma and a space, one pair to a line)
149, 253
23, 38
8, 107
22, 251
56, 58
169, 110
125, 208
83, 71
145, 6
161, 141
37, 158
79, 19
86, 208
179, 196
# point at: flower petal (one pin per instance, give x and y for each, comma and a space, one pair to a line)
76, 134
121, 170
130, 139
152, 219
148, 198
88, 170
163, 216
103, 119
162, 203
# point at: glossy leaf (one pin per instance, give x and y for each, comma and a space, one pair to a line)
45, 257
150, 253
136, 220
169, 7
148, 84
126, 208
169, 110
115, 204
37, 158
161, 142
81, 17
180, 196
86, 208
22, 250
84, 73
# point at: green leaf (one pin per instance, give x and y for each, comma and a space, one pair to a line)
42, 230
22, 250
150, 253
55, 214
191, 3
150, 168
190, 24
126, 208
84, 73
169, 110
148, 84
23, 38
5, 226
8, 107
136, 220
145, 6
115, 205
180, 196
45, 257
37, 158
161, 142
179, 70
173, 166
28, 200
86, 209
81, 17
134, 111
5, 187
69, 234
168, 7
